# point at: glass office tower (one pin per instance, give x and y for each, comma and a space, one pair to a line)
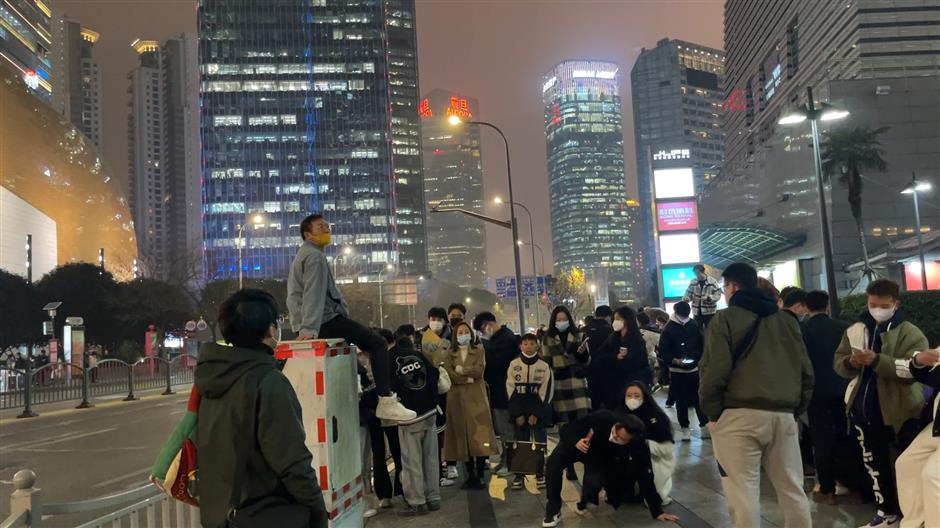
591, 225
299, 115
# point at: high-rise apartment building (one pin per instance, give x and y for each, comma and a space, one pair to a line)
587, 190
453, 178
75, 76
26, 43
309, 107
163, 143
677, 104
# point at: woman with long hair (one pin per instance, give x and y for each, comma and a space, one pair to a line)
638, 401
469, 436
625, 354
560, 345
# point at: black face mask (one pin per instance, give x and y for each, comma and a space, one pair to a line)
455, 321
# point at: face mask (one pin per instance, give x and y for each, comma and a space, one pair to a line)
618, 325
683, 320
634, 403
882, 315
320, 239
463, 340
437, 326
487, 332
614, 439
562, 326
455, 321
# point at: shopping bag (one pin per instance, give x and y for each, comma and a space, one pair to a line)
527, 458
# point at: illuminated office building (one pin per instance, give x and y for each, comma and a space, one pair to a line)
75, 76
309, 107
591, 225
26, 43
453, 178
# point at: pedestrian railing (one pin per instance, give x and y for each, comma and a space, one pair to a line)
143, 507
58, 382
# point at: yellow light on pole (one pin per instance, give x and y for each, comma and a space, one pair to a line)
498, 200
258, 219
454, 120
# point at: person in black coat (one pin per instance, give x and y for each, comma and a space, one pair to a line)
680, 347
621, 359
616, 458
638, 401
501, 346
597, 329
918, 467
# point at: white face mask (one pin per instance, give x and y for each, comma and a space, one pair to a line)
618, 325
562, 326
437, 326
614, 439
683, 320
463, 340
882, 315
634, 403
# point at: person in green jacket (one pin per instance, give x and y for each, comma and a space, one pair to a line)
250, 437
882, 396
755, 377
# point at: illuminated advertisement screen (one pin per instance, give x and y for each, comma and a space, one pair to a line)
679, 249
676, 281
673, 183
677, 216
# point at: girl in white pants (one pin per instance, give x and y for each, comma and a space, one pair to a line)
918, 467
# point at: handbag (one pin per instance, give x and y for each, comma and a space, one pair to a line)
526, 457
176, 466
443, 381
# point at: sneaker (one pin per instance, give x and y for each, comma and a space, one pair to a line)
446, 482
369, 513
581, 509
571, 475
391, 409
518, 483
540, 482
551, 521
451, 472
828, 499
385, 504
434, 506
704, 432
686, 434
502, 472
413, 511
886, 521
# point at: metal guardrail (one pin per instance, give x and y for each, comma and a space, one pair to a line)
145, 507
59, 382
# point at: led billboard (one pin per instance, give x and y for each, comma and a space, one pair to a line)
679, 248
674, 183
676, 281
677, 216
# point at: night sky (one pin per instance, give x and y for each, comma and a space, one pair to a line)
496, 51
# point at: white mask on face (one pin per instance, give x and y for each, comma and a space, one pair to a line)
634, 403
437, 326
614, 439
618, 325
463, 340
882, 315
562, 326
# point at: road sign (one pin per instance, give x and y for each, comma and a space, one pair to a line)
506, 287
47, 328
74, 321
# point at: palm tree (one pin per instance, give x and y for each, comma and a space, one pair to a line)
846, 152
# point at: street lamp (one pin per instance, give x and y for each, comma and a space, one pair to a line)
388, 267
816, 113
914, 188
454, 120
498, 200
346, 252
256, 220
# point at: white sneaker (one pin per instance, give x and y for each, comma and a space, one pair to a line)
385, 504
446, 482
840, 489
391, 409
686, 434
369, 513
452, 472
551, 521
887, 521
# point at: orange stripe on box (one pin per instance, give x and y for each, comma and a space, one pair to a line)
358, 479
321, 430
320, 383
359, 495
324, 482
347, 504
333, 352
320, 351
333, 514
346, 489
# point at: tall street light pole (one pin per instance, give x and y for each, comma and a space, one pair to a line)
915, 188
814, 113
256, 220
454, 120
538, 317
381, 324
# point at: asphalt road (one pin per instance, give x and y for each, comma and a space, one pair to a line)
87, 453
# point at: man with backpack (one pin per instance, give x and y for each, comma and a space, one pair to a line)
755, 377
254, 469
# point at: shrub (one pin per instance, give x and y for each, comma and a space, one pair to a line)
920, 308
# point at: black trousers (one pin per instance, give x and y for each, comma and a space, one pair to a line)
684, 388
367, 341
560, 458
381, 479
827, 425
877, 443
703, 320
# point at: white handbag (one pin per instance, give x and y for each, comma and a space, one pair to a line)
443, 381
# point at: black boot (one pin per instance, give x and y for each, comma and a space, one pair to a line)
481, 473
471, 481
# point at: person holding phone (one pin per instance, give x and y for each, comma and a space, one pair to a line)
681, 346
919, 466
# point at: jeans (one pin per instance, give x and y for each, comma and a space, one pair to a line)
367, 341
420, 477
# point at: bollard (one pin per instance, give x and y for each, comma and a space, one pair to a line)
28, 391
85, 403
130, 383
169, 385
26, 498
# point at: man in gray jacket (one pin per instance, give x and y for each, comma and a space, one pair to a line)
318, 310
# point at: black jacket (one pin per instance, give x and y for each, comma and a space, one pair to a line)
634, 367
279, 464
596, 333
822, 335
658, 425
414, 379
501, 349
680, 342
931, 377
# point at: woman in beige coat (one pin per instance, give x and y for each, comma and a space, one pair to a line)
469, 436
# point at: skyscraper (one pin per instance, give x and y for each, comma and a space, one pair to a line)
453, 177
310, 108
26, 43
75, 76
163, 160
677, 100
587, 191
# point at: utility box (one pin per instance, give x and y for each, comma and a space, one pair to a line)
324, 376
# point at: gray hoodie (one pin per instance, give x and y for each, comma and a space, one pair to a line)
312, 295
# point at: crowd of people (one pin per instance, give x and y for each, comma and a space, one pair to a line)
467, 398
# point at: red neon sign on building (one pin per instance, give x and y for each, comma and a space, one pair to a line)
736, 101
459, 107
424, 108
